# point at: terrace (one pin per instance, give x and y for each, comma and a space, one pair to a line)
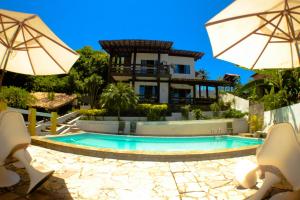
83, 177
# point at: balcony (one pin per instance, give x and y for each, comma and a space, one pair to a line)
191, 101
141, 70
148, 99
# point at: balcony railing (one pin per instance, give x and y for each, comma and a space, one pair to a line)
148, 99
193, 101
140, 70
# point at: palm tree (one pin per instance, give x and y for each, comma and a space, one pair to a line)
120, 96
92, 86
203, 74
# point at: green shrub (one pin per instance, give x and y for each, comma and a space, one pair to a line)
157, 112
233, 113
198, 114
185, 110
16, 97
91, 113
143, 109
255, 123
215, 108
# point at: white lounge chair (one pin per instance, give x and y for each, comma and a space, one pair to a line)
279, 162
14, 139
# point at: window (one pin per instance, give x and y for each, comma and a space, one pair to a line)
148, 66
182, 69
182, 93
148, 91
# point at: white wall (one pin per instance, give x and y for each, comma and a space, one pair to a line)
191, 127
289, 114
170, 60
167, 128
102, 126
239, 103
164, 93
173, 60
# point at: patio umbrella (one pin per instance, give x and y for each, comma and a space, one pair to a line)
28, 46
257, 34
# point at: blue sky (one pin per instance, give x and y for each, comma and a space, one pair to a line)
81, 23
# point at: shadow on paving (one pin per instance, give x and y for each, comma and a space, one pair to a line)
53, 188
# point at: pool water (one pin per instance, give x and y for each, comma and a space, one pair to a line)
125, 142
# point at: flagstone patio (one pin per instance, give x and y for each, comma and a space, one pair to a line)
83, 177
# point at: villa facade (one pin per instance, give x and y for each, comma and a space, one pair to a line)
159, 73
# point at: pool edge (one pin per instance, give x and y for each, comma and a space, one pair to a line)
143, 155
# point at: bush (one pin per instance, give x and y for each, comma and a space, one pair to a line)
215, 108
185, 110
233, 113
198, 114
143, 109
255, 123
91, 113
16, 97
157, 112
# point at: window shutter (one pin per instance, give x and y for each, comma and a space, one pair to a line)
187, 69
142, 90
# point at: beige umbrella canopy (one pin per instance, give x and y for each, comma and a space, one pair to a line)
28, 46
257, 34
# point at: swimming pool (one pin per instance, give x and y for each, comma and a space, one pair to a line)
161, 144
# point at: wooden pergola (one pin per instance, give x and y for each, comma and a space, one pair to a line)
130, 48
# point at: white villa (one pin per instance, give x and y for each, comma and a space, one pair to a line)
159, 73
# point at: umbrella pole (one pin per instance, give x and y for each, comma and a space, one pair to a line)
4, 67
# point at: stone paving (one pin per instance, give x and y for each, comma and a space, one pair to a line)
83, 177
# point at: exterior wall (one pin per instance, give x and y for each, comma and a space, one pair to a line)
139, 83
183, 61
164, 93
289, 114
164, 90
183, 86
149, 56
169, 60
170, 128
102, 126
239, 103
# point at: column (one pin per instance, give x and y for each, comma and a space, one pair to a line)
158, 76
134, 68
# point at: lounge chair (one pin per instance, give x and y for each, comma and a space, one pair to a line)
132, 127
229, 128
278, 162
14, 139
121, 128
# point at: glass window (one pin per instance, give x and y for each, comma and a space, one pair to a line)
148, 91
182, 69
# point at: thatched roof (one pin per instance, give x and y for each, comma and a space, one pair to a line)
60, 99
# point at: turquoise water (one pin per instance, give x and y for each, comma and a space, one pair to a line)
121, 142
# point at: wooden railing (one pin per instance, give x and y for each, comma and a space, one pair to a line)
148, 99
141, 70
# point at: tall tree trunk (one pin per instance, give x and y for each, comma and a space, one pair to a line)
1, 77
119, 115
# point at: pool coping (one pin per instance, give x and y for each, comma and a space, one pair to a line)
138, 155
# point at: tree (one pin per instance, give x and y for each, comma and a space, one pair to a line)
118, 97
16, 97
203, 74
92, 86
90, 62
278, 88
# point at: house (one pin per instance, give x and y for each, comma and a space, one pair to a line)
159, 73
